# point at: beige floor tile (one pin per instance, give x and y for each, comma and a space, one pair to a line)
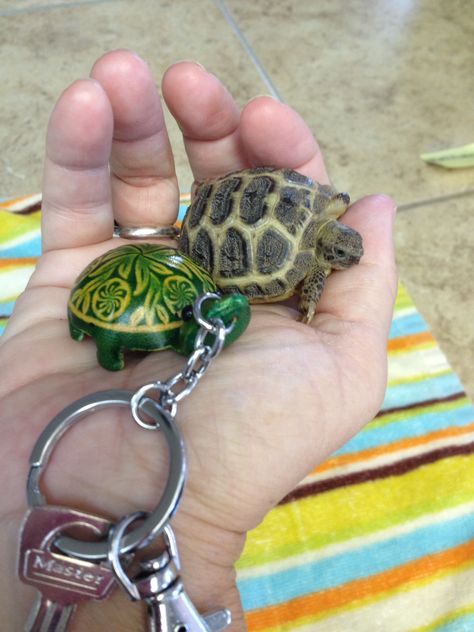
46, 50
435, 252
379, 81
17, 6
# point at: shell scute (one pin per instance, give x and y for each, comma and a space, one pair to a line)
273, 250
254, 202
200, 204
203, 250
234, 254
298, 178
223, 201
292, 210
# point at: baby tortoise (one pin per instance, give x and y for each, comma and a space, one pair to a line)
268, 233
140, 297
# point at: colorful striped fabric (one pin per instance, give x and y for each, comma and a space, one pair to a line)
378, 538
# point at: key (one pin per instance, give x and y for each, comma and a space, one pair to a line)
63, 581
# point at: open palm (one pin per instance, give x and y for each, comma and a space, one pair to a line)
270, 408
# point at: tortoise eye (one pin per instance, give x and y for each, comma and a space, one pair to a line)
187, 313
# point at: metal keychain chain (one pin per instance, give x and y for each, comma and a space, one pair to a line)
158, 583
179, 386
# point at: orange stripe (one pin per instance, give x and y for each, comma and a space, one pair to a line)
18, 263
397, 344
345, 459
12, 201
318, 603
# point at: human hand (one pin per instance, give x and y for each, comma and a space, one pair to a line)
270, 408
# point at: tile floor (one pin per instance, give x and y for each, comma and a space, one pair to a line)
379, 82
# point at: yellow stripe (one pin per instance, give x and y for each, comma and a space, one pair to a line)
403, 299
329, 517
421, 377
124, 327
13, 226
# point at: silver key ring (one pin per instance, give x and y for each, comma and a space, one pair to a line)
168, 503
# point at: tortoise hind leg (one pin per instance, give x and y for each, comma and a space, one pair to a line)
311, 291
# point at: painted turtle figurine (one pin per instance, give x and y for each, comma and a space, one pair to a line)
140, 297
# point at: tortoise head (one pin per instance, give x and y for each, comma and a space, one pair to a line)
338, 245
233, 310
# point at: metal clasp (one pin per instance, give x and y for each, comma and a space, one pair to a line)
158, 583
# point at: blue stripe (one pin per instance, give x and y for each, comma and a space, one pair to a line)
6, 308
30, 248
463, 623
182, 211
369, 560
418, 426
436, 387
406, 325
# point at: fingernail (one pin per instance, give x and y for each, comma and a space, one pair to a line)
387, 200
262, 96
189, 61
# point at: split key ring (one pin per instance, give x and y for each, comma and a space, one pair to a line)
155, 522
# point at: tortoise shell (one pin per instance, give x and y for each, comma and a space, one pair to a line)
255, 230
138, 297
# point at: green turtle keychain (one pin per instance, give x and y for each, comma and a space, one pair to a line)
140, 297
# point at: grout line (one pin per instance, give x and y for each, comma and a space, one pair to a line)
248, 48
436, 200
49, 7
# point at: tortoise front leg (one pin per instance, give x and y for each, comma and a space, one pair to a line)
110, 353
311, 291
76, 333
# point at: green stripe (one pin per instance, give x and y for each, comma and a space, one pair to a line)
420, 377
445, 619
403, 300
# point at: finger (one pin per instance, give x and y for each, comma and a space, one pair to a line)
218, 140
364, 294
273, 134
144, 184
76, 186
208, 118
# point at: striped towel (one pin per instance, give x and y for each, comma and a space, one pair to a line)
380, 537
